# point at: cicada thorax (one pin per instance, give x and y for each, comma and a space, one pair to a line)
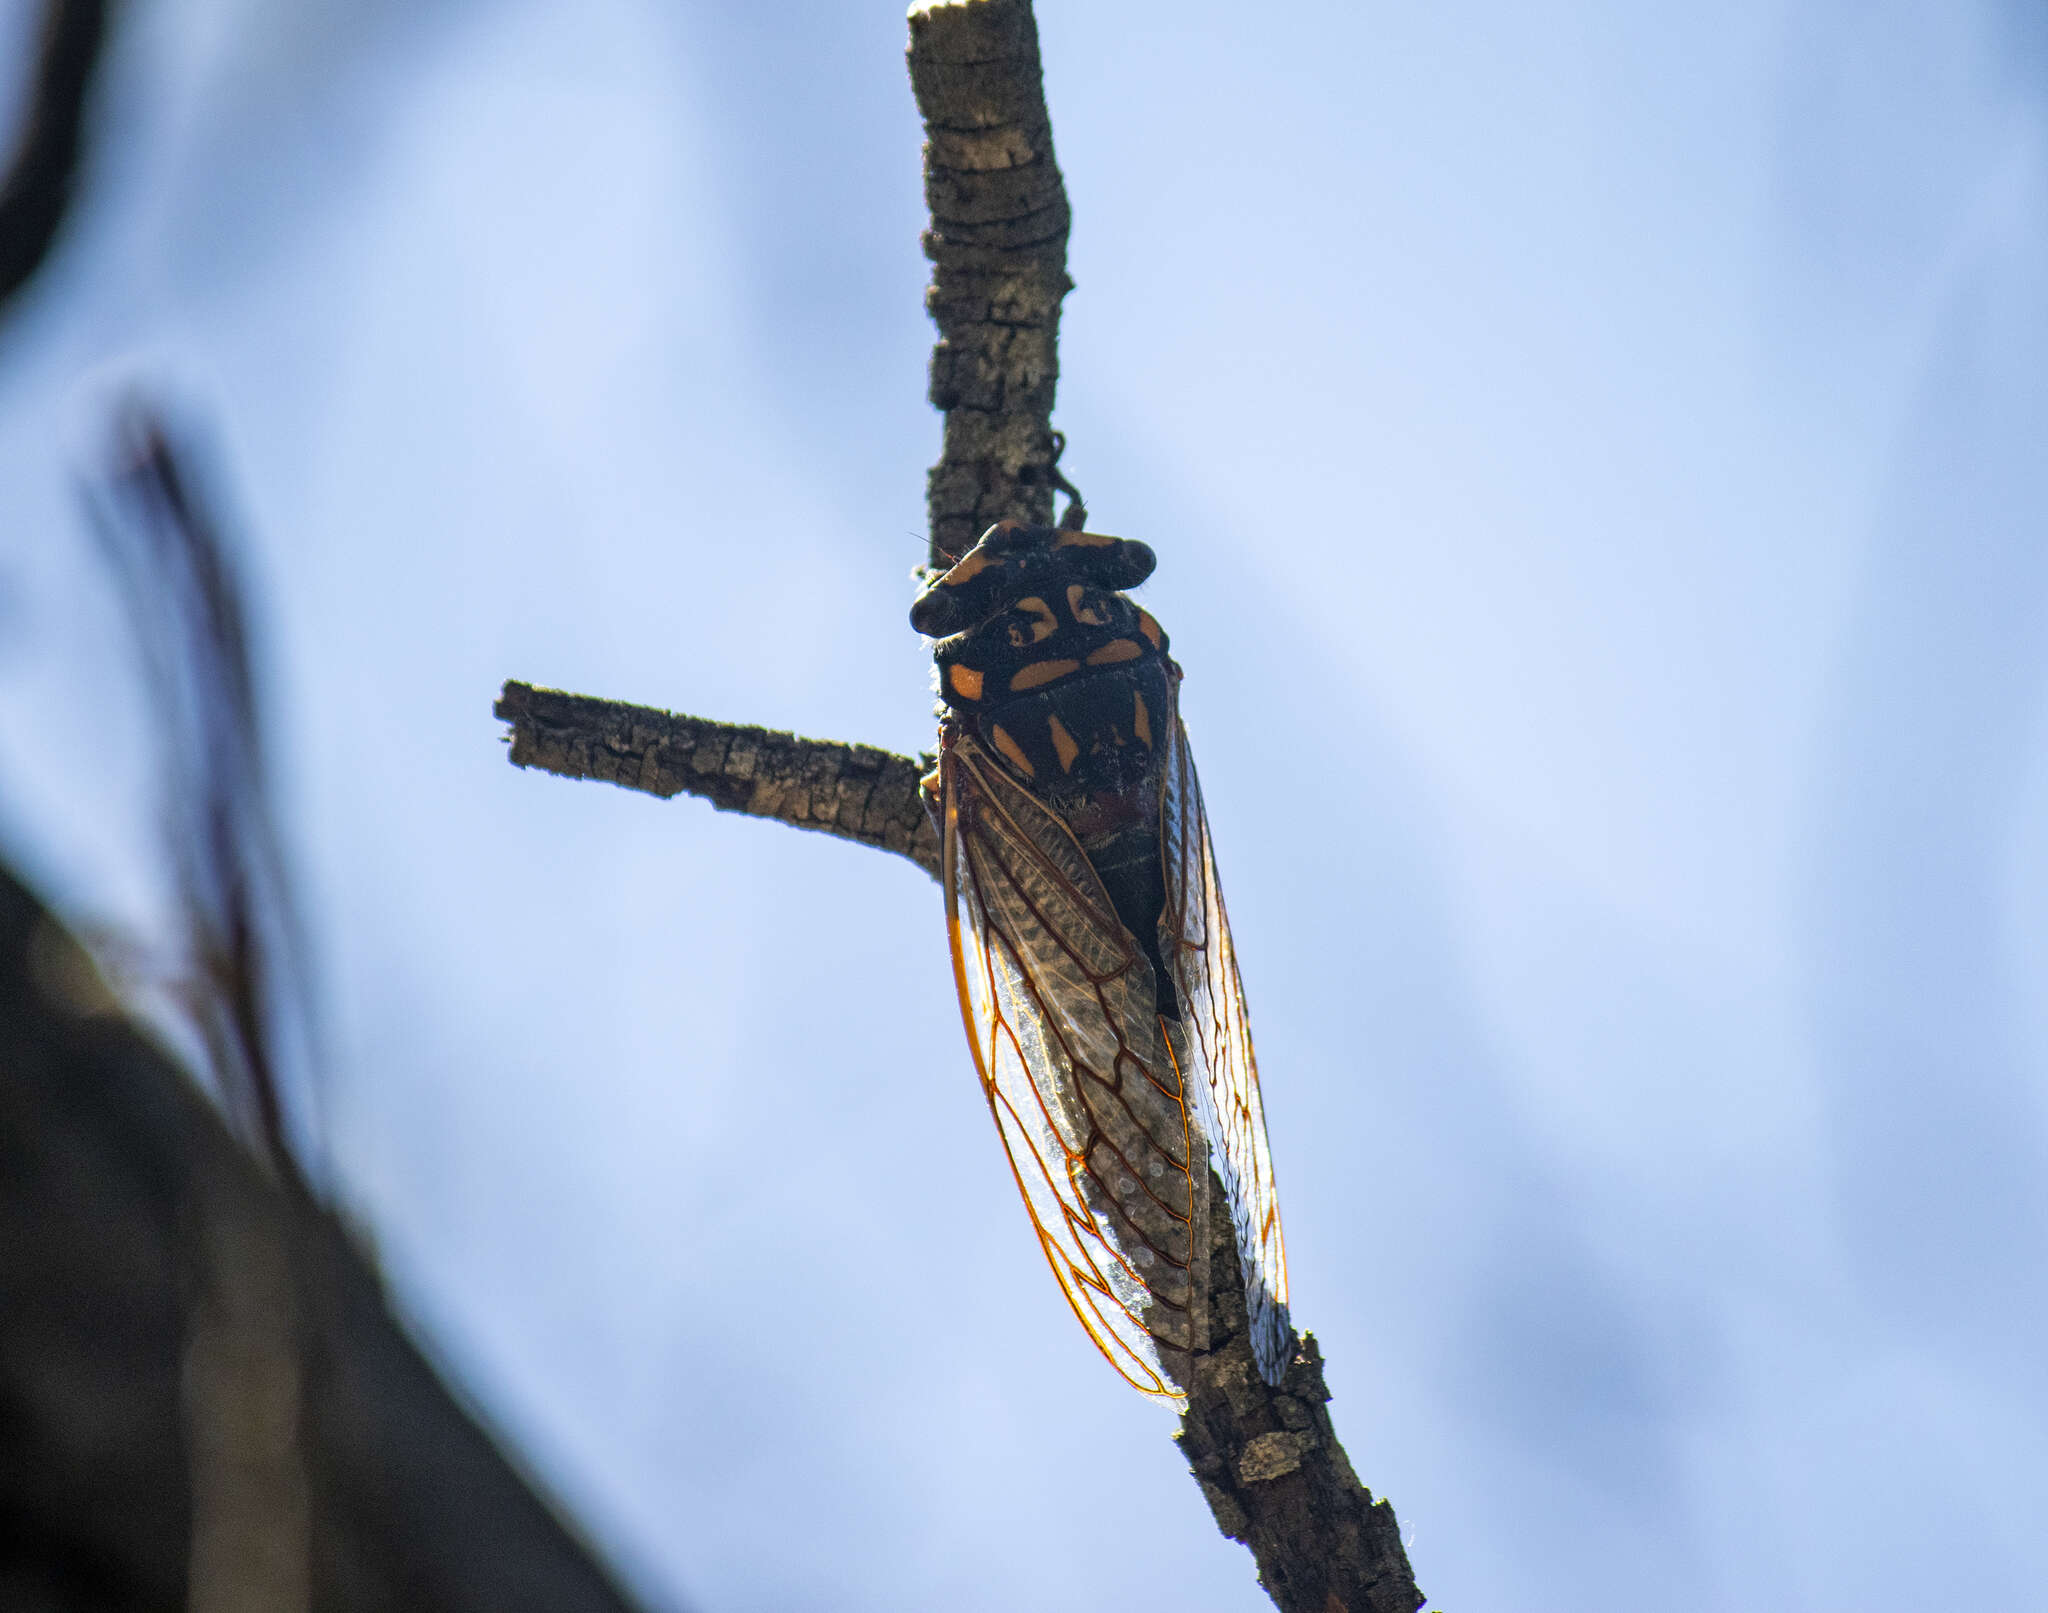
1068, 684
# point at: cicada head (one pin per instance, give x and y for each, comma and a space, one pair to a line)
1012, 561
1062, 675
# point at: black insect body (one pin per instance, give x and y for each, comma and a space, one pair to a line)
1091, 950
1070, 685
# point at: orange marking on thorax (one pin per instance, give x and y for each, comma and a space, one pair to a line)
965, 680
1082, 540
1148, 627
1142, 726
1011, 749
1121, 649
1064, 743
1042, 672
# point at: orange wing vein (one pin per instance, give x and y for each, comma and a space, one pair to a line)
1060, 1013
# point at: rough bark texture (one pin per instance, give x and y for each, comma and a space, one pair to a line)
854, 791
1272, 1470
142, 1257
36, 194
998, 245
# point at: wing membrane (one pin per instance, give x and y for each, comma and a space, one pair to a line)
1060, 1012
1221, 1069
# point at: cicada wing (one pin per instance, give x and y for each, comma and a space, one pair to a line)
1061, 1016
1221, 1071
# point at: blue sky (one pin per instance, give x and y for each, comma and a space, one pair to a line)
1594, 456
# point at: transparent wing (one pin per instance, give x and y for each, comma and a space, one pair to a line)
1221, 1069
1061, 1017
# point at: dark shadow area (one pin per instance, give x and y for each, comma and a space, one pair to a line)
110, 1163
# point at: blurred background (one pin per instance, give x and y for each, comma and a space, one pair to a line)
1596, 456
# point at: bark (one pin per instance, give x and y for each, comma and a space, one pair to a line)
998, 246
1270, 1466
854, 791
36, 195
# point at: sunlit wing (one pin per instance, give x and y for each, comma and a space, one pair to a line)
1059, 1008
1224, 1078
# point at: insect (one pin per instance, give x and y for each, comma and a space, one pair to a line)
1090, 947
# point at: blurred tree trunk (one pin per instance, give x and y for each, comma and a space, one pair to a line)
144, 1252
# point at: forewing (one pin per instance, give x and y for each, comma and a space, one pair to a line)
1060, 1013
1223, 1074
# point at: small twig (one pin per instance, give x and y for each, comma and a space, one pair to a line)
246, 992
854, 791
36, 194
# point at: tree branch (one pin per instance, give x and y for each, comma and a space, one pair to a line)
854, 791
1269, 1463
998, 245
1268, 1460
36, 194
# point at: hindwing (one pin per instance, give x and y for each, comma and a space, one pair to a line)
1222, 1073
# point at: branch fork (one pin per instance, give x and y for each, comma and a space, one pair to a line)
1268, 1460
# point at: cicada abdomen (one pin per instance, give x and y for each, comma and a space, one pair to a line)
1090, 946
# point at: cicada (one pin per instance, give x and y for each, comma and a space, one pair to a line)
1090, 946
